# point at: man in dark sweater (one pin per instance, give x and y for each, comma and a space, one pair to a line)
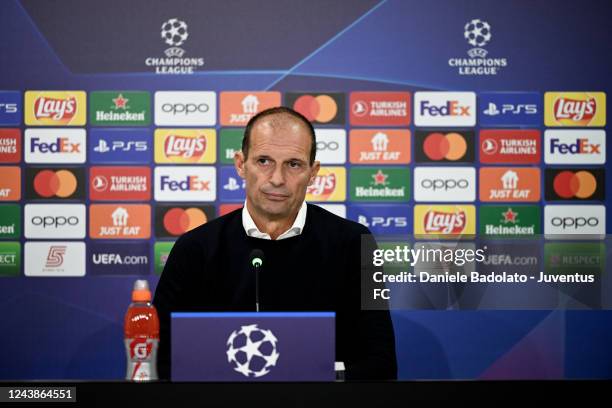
312, 257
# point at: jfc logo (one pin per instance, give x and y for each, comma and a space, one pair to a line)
510, 184
185, 146
444, 220
380, 108
329, 185
173, 221
324, 109
510, 146
452, 147
575, 109
445, 108
55, 183
387, 146
50, 108
575, 184
236, 108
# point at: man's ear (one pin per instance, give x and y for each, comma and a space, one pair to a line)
239, 161
316, 166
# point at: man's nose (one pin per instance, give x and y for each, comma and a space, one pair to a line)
278, 177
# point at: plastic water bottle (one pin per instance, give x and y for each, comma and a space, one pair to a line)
141, 335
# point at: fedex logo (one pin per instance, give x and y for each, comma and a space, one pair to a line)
185, 183
55, 145
575, 146
445, 108
61, 145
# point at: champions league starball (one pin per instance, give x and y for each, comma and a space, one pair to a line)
477, 33
174, 32
252, 351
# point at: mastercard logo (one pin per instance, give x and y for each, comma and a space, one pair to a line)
318, 108
441, 146
575, 184
177, 221
55, 183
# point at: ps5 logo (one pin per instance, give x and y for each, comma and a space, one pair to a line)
384, 222
8, 107
509, 108
233, 185
120, 145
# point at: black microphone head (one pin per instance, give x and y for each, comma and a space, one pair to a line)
256, 257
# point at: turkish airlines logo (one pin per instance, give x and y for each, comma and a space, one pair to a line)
10, 145
452, 147
510, 184
510, 146
380, 108
120, 183
575, 184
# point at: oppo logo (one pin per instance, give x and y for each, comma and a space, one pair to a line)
440, 184
574, 222
54, 222
184, 108
332, 146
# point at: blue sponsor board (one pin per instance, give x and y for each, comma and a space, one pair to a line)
510, 109
120, 146
118, 259
11, 108
231, 185
382, 219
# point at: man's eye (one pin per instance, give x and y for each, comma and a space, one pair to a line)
262, 161
294, 165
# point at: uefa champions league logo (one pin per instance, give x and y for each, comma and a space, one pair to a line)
252, 351
174, 33
478, 34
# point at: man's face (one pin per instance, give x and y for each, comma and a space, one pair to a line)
277, 169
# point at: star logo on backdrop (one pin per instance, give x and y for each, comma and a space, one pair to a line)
380, 178
509, 216
120, 102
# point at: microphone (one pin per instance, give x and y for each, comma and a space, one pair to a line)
256, 260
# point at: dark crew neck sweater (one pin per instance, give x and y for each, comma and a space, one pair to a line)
318, 270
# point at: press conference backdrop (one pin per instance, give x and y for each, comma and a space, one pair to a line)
119, 121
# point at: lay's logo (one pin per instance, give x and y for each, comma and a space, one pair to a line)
50, 108
185, 146
328, 185
575, 108
444, 219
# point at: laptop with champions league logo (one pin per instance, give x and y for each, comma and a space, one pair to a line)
253, 346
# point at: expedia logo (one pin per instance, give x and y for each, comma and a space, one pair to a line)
50, 108
325, 109
444, 219
575, 108
54, 221
445, 109
174, 221
438, 184
55, 183
575, 146
189, 183
453, 147
575, 184
574, 220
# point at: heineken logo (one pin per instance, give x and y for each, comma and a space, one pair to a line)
509, 221
380, 184
125, 108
